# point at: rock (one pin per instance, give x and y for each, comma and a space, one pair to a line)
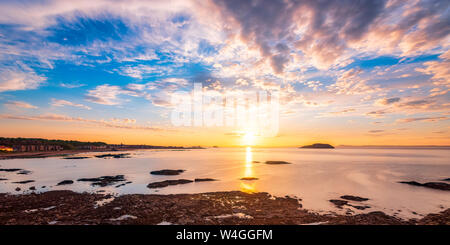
65, 182
126, 183
338, 203
255, 161
24, 172
354, 198
120, 155
167, 183
277, 162
319, 146
76, 157
104, 180
23, 182
360, 207
3, 179
433, 185
249, 178
167, 172
10, 169
32, 188
18, 189
204, 179
448, 179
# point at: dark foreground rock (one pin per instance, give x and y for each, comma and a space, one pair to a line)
120, 155
168, 182
354, 198
24, 172
433, 185
216, 208
248, 178
167, 172
204, 179
319, 146
338, 203
448, 179
65, 182
23, 182
75, 158
104, 180
277, 162
10, 169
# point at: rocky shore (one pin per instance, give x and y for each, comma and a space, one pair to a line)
216, 208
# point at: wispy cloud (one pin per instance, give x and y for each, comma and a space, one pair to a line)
426, 119
113, 123
56, 102
20, 104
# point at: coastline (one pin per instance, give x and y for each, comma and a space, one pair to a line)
44, 154
213, 208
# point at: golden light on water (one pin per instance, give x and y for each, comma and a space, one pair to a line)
248, 172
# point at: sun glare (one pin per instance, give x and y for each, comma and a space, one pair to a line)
249, 139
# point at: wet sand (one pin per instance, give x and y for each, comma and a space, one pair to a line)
215, 208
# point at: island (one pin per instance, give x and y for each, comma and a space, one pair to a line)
318, 146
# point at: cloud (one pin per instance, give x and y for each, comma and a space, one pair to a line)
425, 119
439, 70
107, 94
350, 82
20, 104
72, 85
114, 123
387, 101
19, 78
56, 102
376, 114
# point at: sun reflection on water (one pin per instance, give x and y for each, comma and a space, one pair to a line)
248, 172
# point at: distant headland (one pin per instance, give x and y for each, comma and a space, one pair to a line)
318, 146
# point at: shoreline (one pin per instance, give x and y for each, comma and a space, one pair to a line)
44, 154
213, 208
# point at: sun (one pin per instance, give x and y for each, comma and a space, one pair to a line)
249, 139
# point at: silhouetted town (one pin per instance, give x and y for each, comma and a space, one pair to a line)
36, 144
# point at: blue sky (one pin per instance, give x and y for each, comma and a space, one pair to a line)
375, 66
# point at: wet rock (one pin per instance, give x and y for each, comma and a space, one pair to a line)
120, 155
338, 203
360, 207
18, 189
33, 188
10, 169
354, 198
65, 182
76, 157
24, 172
167, 183
126, 183
204, 179
23, 182
277, 162
249, 178
167, 172
104, 180
433, 185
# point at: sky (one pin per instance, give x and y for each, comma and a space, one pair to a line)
347, 72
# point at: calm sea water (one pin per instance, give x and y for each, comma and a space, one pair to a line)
315, 175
